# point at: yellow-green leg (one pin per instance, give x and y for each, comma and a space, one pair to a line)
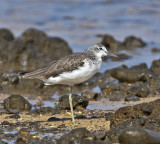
71, 105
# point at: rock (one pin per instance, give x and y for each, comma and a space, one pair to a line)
139, 90
5, 123
155, 67
121, 57
126, 75
90, 95
141, 67
32, 33
147, 109
131, 98
133, 116
44, 110
111, 87
74, 135
135, 135
155, 50
15, 116
16, 104
24, 137
133, 42
54, 119
49, 47
76, 100
142, 121
6, 34
111, 43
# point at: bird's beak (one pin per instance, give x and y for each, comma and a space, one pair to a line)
110, 54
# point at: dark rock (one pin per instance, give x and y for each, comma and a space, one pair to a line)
6, 34
133, 116
90, 95
131, 98
139, 90
141, 67
121, 57
12, 77
111, 87
134, 112
76, 100
53, 119
155, 67
147, 109
111, 43
44, 110
32, 33
74, 135
142, 121
5, 123
126, 75
133, 42
15, 116
155, 50
16, 104
138, 136
100, 136
49, 47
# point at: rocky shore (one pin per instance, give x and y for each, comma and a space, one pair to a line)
25, 121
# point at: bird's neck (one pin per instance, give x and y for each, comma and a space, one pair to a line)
94, 56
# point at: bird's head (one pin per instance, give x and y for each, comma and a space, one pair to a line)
100, 50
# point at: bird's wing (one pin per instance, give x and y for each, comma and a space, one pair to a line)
66, 64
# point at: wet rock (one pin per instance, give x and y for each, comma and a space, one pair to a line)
142, 121
5, 123
32, 33
44, 110
141, 67
147, 109
121, 57
155, 67
155, 50
76, 100
54, 119
133, 42
139, 90
15, 116
131, 98
49, 47
100, 136
111, 87
16, 104
12, 77
6, 34
90, 95
138, 136
133, 116
24, 137
111, 43
134, 112
126, 75
74, 135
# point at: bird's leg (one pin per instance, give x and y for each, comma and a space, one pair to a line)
71, 105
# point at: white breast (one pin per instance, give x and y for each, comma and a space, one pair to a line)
76, 76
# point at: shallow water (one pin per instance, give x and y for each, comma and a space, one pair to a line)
79, 22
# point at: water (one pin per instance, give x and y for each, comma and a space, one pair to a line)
80, 21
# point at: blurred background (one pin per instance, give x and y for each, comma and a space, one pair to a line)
82, 23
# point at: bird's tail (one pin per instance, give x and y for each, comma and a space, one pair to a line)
38, 74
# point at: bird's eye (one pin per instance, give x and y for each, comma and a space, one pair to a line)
100, 48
